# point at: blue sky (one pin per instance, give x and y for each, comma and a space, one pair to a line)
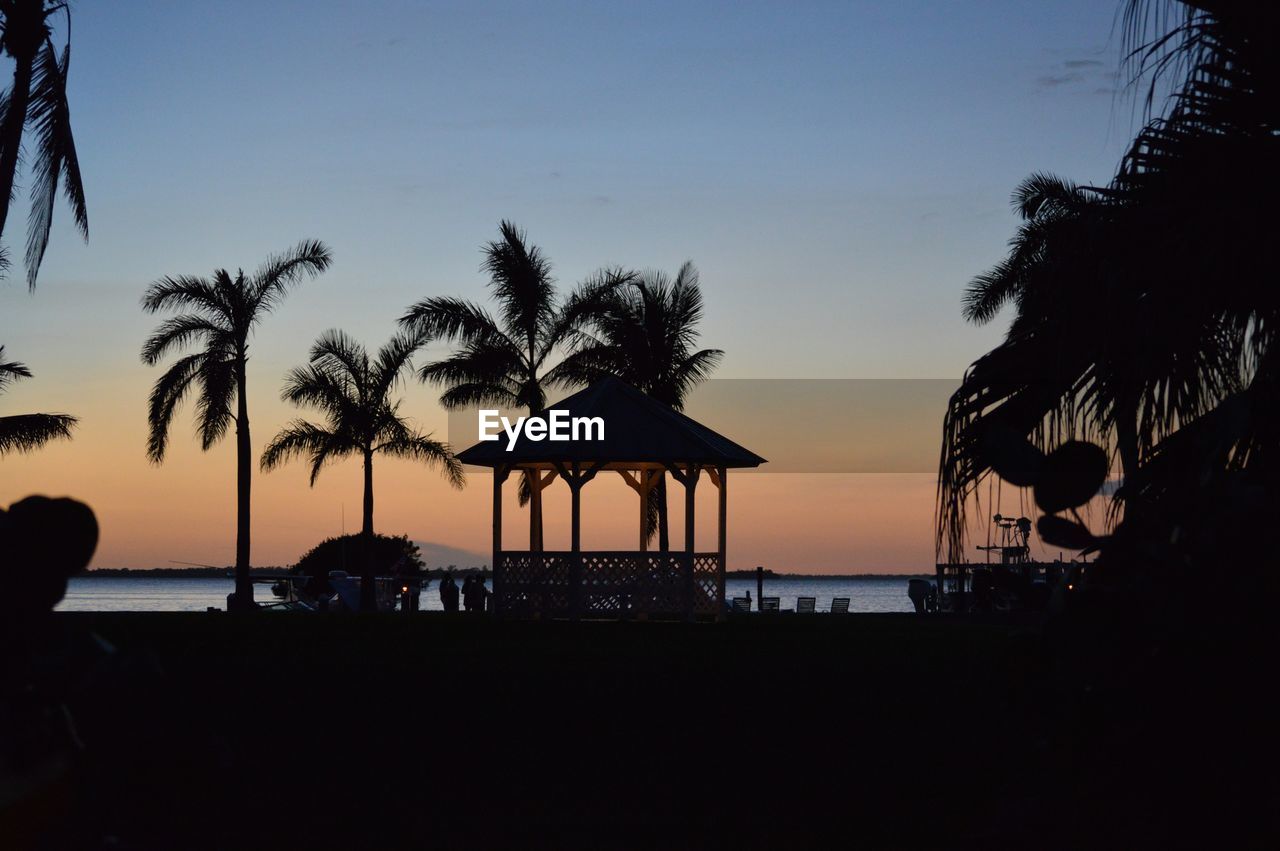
837, 171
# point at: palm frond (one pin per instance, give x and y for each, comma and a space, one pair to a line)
467, 395
169, 391
213, 407
403, 442
187, 292
26, 432
273, 279
301, 438
393, 359
55, 160
334, 393
178, 333
479, 366
11, 371
693, 370
642, 328
452, 319
591, 298
520, 280
590, 361
337, 353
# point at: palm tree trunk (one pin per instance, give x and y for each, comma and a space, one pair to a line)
535, 511
367, 526
11, 132
368, 595
244, 473
535, 492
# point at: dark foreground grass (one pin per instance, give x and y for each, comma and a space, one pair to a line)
215, 731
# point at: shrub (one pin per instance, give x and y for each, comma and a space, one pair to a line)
346, 553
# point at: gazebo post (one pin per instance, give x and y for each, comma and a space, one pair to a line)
500, 473
537, 484
722, 484
690, 485
641, 485
575, 543
643, 490
534, 478
575, 477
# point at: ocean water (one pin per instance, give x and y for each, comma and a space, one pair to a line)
137, 594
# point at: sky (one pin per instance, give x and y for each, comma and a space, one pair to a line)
836, 171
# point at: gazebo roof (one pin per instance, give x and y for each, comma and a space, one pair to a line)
638, 431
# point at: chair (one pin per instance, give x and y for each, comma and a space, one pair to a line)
768, 604
840, 606
742, 604
806, 605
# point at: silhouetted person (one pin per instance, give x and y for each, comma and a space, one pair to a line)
481, 593
469, 594
43, 542
449, 593
411, 582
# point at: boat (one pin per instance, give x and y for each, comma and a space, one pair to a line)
1009, 579
299, 593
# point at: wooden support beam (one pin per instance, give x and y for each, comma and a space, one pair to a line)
500, 474
575, 477
721, 478
690, 485
537, 484
643, 486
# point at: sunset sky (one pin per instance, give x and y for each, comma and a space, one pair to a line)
837, 171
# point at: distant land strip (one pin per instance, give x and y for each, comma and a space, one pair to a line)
277, 571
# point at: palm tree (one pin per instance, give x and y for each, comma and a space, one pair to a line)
642, 329
501, 360
223, 311
353, 392
1145, 306
25, 432
38, 99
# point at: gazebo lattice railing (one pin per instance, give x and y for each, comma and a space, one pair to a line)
618, 584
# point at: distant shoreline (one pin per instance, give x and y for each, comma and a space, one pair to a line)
276, 572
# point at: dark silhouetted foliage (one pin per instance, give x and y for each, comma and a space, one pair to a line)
499, 361
1146, 319
353, 391
344, 553
36, 101
25, 432
641, 327
222, 313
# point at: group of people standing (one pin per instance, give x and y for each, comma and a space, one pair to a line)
475, 595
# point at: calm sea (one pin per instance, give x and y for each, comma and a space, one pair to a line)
100, 594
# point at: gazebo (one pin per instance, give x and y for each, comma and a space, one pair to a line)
642, 438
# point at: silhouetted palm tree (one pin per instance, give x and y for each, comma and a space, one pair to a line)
38, 99
353, 392
642, 329
501, 361
25, 432
1146, 305
223, 311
